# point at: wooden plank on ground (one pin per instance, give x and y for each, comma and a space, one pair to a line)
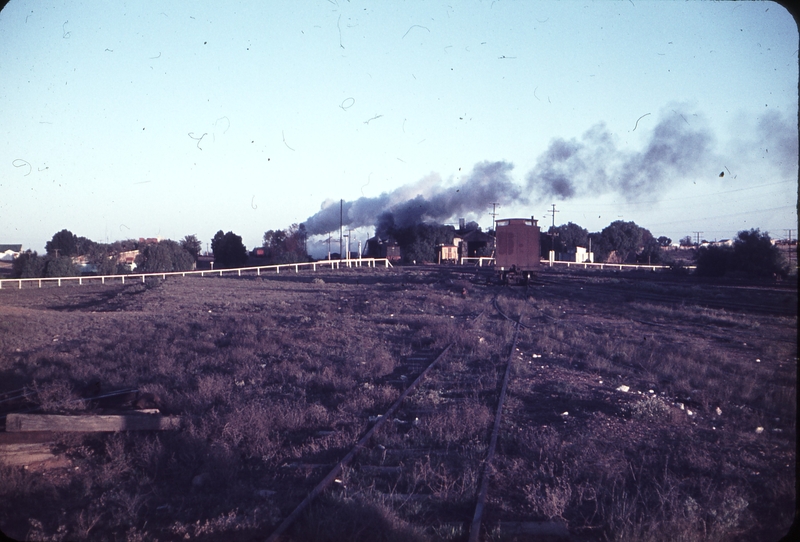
25, 454
19, 449
89, 423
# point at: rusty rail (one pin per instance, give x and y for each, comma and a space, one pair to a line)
475, 528
274, 537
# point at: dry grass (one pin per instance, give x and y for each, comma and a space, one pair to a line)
278, 377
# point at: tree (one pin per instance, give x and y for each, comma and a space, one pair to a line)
164, 257
686, 241
714, 261
651, 252
104, 258
752, 255
569, 236
756, 256
192, 245
228, 249
59, 266
27, 265
622, 238
63, 243
286, 246
664, 241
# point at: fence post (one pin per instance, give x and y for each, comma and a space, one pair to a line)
59, 283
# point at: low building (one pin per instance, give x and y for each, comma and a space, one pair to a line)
448, 253
577, 255
128, 259
8, 253
473, 243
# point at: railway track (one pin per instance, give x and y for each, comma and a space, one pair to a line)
410, 456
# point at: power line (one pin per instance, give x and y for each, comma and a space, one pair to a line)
694, 197
697, 219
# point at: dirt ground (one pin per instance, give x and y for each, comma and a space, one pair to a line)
640, 406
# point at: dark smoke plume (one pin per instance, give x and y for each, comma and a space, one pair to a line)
678, 146
431, 199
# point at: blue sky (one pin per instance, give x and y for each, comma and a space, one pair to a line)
166, 119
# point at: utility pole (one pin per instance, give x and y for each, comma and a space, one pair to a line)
697, 234
790, 234
494, 212
553, 212
349, 238
341, 225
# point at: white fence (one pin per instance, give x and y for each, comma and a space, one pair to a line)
619, 266
585, 265
296, 267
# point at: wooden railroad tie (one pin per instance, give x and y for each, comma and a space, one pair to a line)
89, 424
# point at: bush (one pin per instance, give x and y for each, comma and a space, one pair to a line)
752, 255
756, 256
714, 261
61, 266
165, 256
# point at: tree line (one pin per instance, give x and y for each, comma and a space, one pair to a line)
66, 253
751, 254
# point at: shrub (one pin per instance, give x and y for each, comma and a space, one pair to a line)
165, 256
714, 261
752, 255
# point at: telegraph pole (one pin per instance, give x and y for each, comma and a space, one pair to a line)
553, 212
494, 212
697, 234
349, 237
790, 234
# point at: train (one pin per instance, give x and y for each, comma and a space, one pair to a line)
517, 250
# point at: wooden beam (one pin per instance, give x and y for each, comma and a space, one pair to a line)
25, 454
88, 423
26, 448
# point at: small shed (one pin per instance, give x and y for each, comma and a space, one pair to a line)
448, 254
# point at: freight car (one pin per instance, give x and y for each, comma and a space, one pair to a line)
517, 249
